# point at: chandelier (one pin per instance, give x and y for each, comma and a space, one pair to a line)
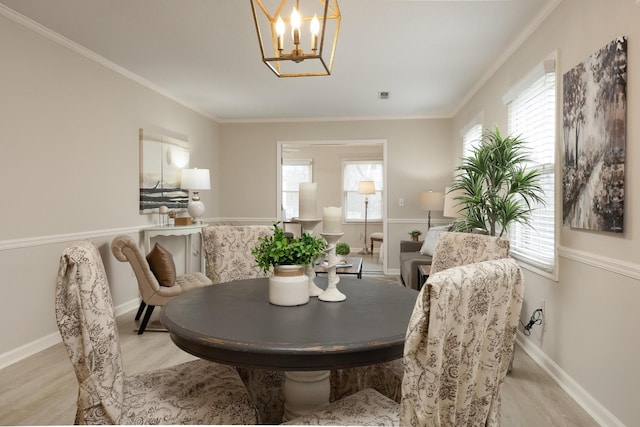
292, 35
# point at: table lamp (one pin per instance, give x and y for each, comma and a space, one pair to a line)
431, 201
195, 180
452, 206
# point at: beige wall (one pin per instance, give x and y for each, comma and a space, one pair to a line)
415, 150
69, 170
590, 335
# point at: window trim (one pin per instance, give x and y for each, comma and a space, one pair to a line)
547, 65
344, 193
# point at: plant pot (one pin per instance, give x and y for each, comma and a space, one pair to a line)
288, 286
415, 238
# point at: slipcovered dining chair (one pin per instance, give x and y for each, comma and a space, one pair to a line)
152, 291
228, 258
452, 249
227, 250
197, 392
457, 351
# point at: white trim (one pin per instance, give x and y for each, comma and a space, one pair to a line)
79, 49
548, 65
612, 265
28, 242
41, 344
594, 408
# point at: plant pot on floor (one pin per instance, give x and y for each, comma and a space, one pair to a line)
288, 286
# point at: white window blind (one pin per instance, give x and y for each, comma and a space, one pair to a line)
294, 172
353, 172
532, 115
471, 137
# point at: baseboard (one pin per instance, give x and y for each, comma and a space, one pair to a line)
594, 408
41, 344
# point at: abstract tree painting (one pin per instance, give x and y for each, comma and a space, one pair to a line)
594, 127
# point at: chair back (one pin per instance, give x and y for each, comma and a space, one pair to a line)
87, 324
454, 249
227, 251
459, 345
124, 248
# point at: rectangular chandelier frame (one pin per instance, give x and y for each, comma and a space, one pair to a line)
279, 51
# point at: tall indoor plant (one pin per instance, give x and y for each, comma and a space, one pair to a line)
497, 187
287, 256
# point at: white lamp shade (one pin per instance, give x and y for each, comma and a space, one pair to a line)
366, 187
431, 200
452, 206
196, 179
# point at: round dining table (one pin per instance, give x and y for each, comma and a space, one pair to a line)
234, 323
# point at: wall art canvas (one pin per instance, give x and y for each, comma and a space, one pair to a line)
161, 162
594, 127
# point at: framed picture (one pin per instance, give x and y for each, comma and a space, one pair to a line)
162, 159
594, 127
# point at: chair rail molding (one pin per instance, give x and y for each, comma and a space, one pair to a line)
28, 242
622, 268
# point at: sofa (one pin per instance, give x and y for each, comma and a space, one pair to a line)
410, 260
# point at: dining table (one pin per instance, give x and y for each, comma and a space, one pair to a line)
234, 323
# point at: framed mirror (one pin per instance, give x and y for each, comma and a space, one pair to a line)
162, 159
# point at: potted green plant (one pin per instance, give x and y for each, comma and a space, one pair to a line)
343, 248
415, 234
288, 257
497, 186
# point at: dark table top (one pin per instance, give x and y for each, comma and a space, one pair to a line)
355, 268
234, 323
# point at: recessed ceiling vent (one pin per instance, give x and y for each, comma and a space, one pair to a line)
383, 95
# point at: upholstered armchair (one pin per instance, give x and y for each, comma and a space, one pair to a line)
197, 392
152, 292
457, 351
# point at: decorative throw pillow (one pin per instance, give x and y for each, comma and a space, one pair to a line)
161, 263
431, 239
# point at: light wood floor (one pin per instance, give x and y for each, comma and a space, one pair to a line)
42, 389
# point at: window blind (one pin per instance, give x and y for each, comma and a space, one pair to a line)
532, 115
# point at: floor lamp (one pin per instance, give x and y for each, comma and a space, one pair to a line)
431, 201
366, 188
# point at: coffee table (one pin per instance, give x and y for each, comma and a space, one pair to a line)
354, 269
234, 323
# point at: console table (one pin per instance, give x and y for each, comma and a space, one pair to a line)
180, 230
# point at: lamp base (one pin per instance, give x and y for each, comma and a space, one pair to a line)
196, 210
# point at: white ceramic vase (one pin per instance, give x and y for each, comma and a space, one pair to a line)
288, 286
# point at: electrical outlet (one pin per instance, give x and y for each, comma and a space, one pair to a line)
400, 202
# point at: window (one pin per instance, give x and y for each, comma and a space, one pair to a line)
471, 136
352, 173
532, 114
293, 173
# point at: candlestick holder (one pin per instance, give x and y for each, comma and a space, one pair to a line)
307, 227
332, 294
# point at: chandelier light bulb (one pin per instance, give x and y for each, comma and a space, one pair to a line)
315, 29
280, 33
295, 26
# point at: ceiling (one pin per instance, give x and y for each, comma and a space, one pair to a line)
430, 55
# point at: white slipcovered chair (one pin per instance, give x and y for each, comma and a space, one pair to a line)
152, 293
197, 392
452, 249
457, 351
